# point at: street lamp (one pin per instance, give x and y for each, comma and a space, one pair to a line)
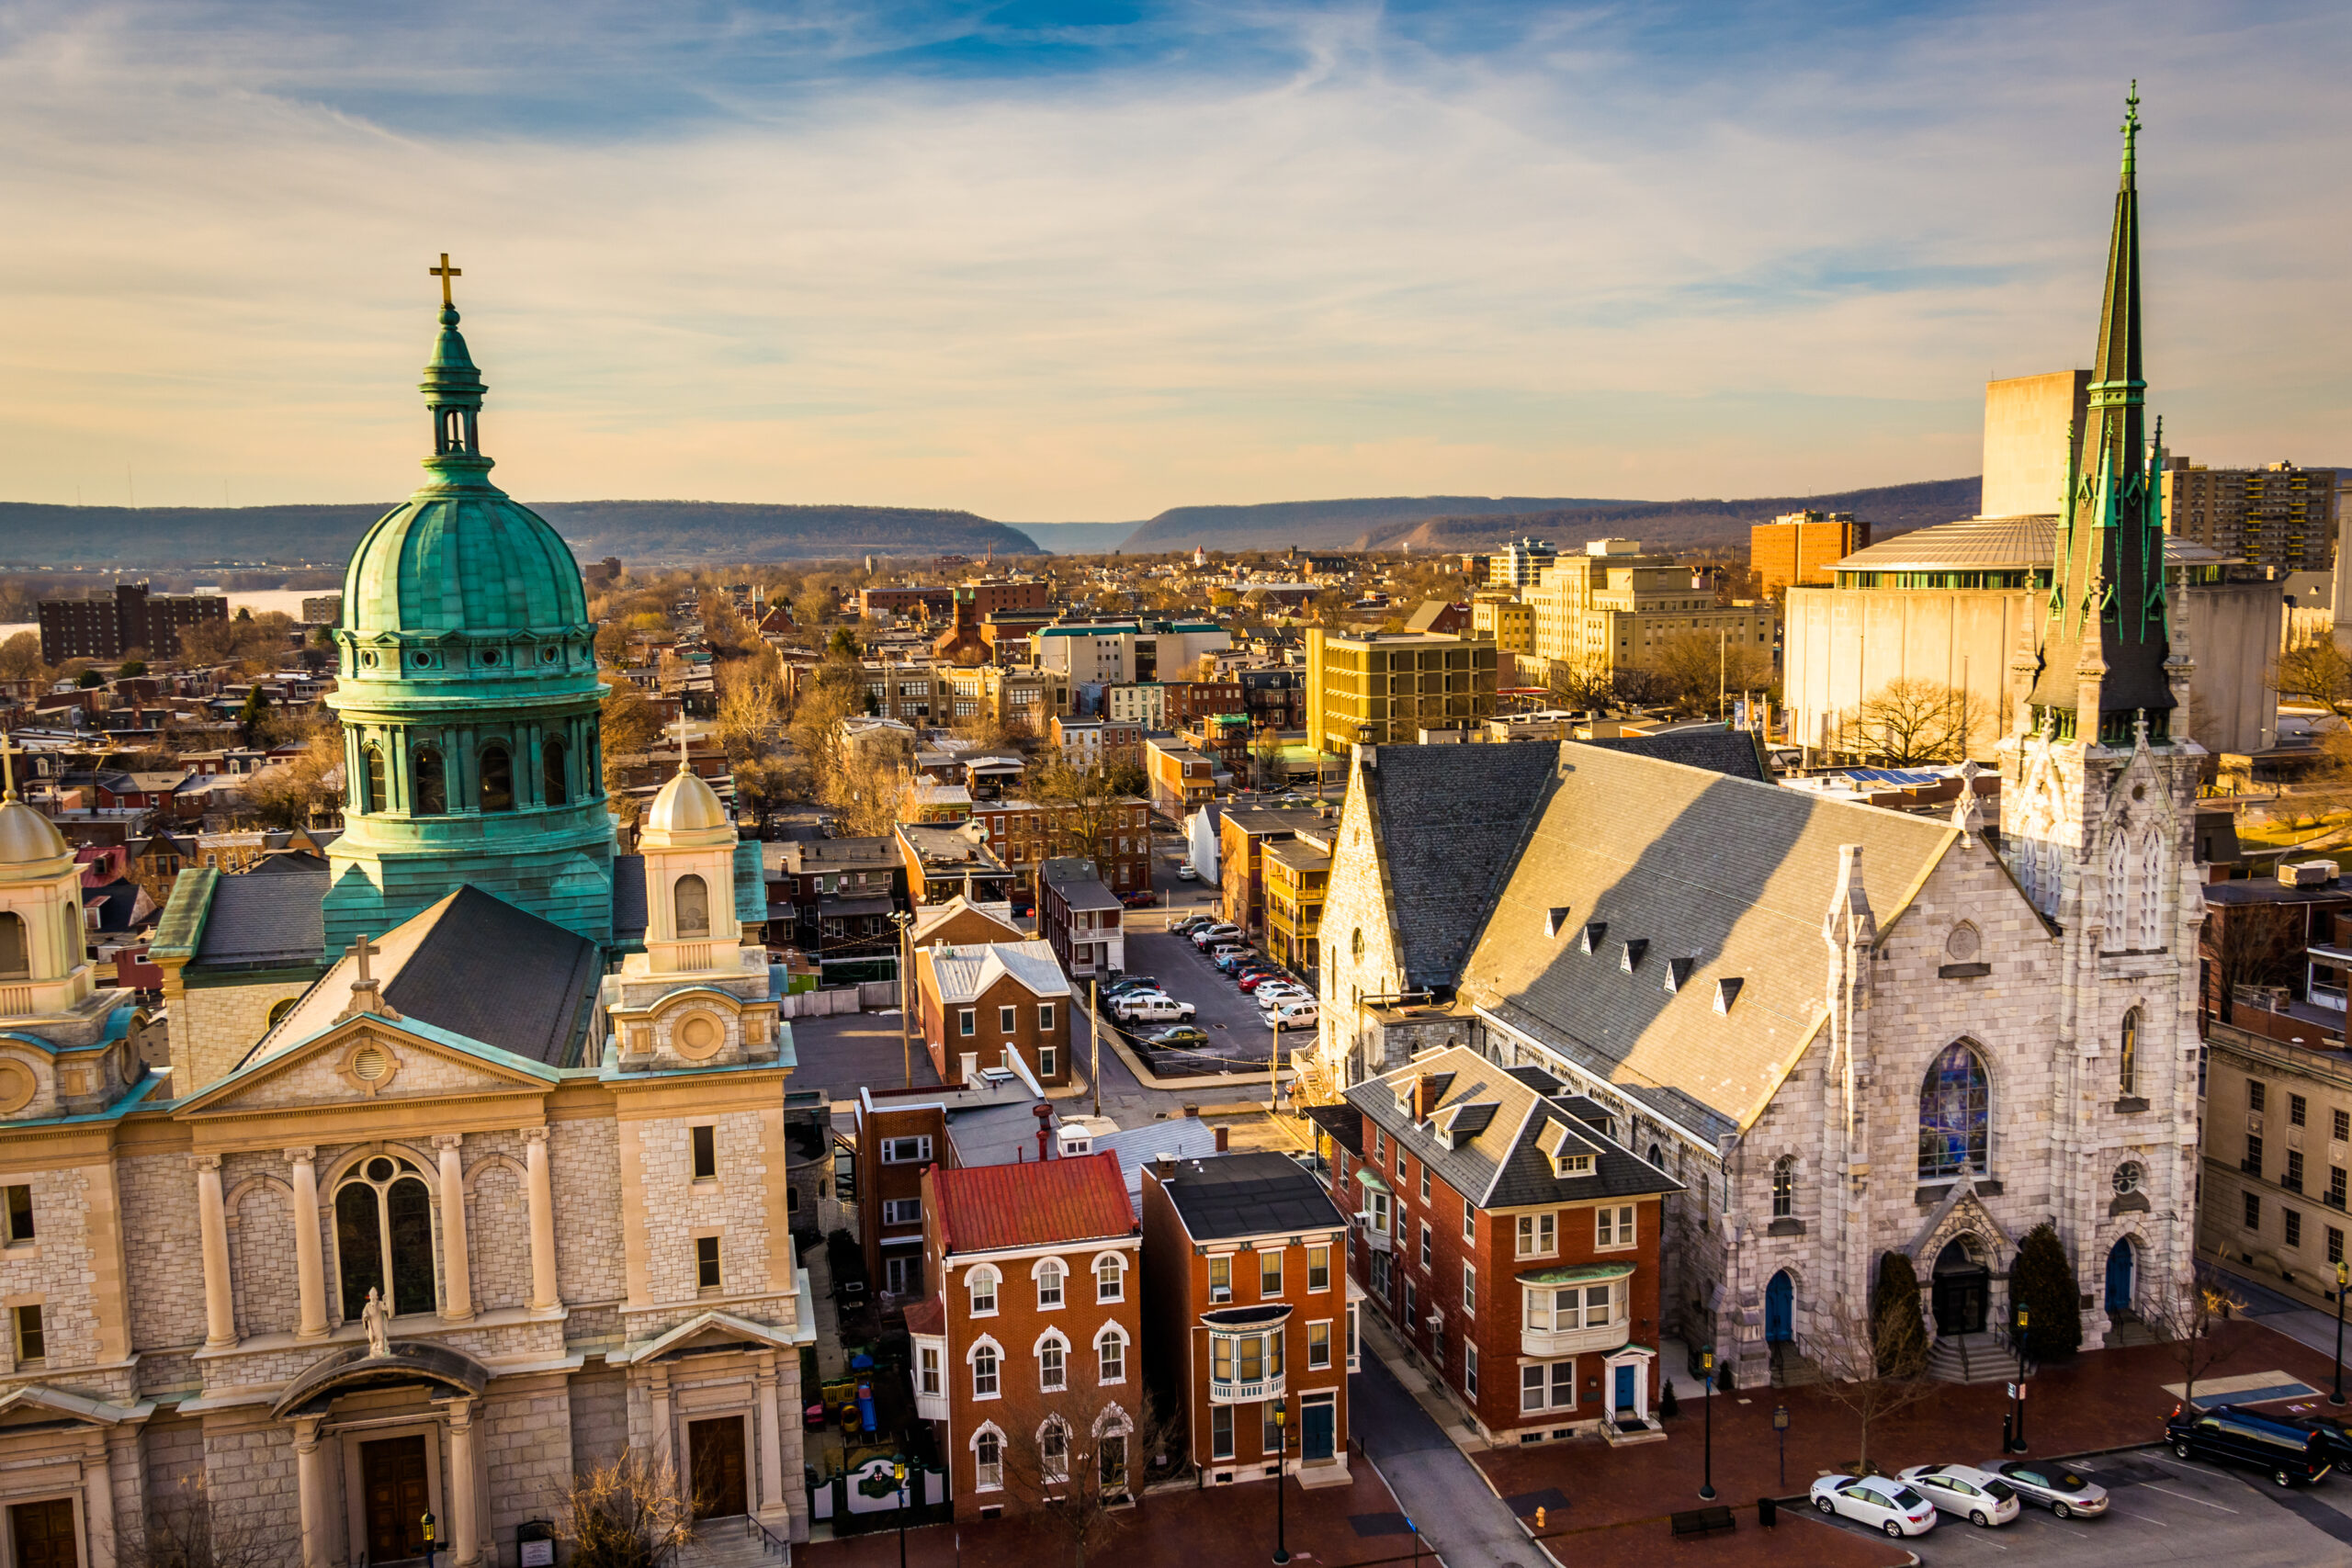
1781, 1425
898, 1469
427, 1522
1282, 1456
2342, 1278
1707, 1365
2017, 1445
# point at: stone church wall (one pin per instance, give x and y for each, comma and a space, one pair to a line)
599, 1418
584, 1160
249, 1481
498, 1222
212, 1027
59, 1273
525, 1432
260, 1257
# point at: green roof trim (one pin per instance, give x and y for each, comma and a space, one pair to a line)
181, 931
1578, 1274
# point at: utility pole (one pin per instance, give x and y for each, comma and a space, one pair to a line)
906, 923
1094, 1033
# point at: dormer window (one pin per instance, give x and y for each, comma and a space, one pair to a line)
1555, 921
1678, 971
1566, 1165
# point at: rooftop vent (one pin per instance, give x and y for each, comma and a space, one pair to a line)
1593, 934
1556, 920
2307, 873
1728, 992
1678, 970
1630, 958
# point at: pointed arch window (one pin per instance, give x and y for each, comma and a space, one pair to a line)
690, 906
1955, 1106
432, 787
1784, 1187
2118, 891
1053, 1450
555, 784
2151, 894
372, 759
496, 789
383, 1238
2127, 1056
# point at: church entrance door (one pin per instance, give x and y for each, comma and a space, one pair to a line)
715, 1450
392, 1476
1780, 1310
42, 1534
2118, 1276
1960, 1289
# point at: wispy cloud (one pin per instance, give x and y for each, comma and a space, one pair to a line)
1093, 258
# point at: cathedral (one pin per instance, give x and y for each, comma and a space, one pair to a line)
1848, 1032
450, 1172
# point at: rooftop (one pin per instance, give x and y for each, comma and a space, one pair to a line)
1036, 1204
1253, 1194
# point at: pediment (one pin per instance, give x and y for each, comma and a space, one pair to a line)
38, 1404
1962, 1212
367, 1060
712, 1328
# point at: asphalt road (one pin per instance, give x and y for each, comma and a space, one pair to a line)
1460, 1517
2164, 1510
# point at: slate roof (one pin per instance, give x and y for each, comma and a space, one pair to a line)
257, 922
1735, 876
1229, 1195
1450, 818
1344, 1123
984, 1208
1735, 753
628, 899
1501, 1158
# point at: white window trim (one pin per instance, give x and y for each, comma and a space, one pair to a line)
1061, 1282
1312, 1249
1312, 1364
1213, 1258
1469, 1290
1112, 1334
1056, 1339
1533, 1237
990, 1272
971, 1362
988, 1428
1094, 1271
1628, 1229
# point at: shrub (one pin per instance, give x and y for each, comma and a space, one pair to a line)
2042, 1281
1901, 1340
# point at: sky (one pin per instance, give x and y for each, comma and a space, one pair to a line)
1083, 260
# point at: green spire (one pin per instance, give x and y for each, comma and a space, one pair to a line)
2107, 611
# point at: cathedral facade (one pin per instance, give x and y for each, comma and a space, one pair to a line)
466, 1170
1848, 1032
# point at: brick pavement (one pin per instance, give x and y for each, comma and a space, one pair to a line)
1799, 1540
2102, 1399
1349, 1527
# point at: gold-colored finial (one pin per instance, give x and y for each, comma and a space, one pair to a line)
445, 272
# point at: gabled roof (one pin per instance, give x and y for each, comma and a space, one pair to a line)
932, 917
1735, 753
263, 921
965, 974
1036, 1204
1226, 1197
1504, 1133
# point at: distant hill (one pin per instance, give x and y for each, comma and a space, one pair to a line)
1079, 538
640, 531
1277, 523
1683, 525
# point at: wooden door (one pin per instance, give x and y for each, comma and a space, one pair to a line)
43, 1534
715, 1451
398, 1494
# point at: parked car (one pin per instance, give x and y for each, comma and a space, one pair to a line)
1179, 1037
1188, 924
1228, 955
1881, 1503
1141, 898
1126, 983
2228, 1434
1186, 873
1302, 1014
1250, 979
1271, 999
1153, 1006
1216, 931
2335, 1435
1982, 1499
2054, 1487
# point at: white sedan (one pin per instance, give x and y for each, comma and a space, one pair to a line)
1874, 1500
1981, 1498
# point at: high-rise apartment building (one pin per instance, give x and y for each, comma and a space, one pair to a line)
1613, 607
1384, 687
131, 617
2280, 516
1522, 561
1797, 546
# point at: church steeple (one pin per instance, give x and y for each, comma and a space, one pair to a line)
2103, 640
453, 388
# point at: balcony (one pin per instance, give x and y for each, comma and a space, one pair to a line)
1548, 1343
1235, 1391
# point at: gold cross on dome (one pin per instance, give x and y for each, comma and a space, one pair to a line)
445, 272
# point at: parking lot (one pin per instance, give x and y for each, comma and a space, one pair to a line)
2164, 1510
1238, 1032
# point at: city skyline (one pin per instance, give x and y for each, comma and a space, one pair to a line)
1084, 262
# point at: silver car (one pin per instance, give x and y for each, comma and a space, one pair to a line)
2063, 1492
1983, 1500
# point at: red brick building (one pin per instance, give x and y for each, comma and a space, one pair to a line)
991, 1119
1022, 834
1189, 701
1246, 1313
999, 1000
1028, 1356
1512, 1243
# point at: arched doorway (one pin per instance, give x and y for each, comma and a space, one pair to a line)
2120, 1265
1961, 1287
1780, 1310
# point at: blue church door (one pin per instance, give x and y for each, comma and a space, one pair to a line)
1780, 1310
2118, 1276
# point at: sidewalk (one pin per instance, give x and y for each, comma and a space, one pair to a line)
2103, 1399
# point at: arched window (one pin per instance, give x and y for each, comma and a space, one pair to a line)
1109, 1278
2127, 1056
1657, 1157
988, 1459
1053, 1362
1111, 1354
981, 1282
1053, 1449
15, 957
555, 785
690, 906
497, 789
281, 1007
1784, 1188
1049, 1283
432, 789
984, 1371
69, 936
2118, 890
383, 1238
375, 799
1954, 1115
1355, 945
2151, 894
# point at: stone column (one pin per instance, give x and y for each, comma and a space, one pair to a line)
465, 1487
97, 1499
311, 1492
665, 1449
310, 1271
457, 1273
212, 1225
771, 1414
540, 1192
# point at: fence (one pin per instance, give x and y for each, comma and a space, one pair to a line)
841, 999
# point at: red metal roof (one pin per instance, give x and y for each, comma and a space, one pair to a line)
928, 1316
1033, 1203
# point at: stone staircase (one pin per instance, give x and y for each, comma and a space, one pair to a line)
1971, 1357
2123, 1328
729, 1543
1792, 1368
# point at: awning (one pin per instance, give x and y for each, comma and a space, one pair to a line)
1371, 1178
1578, 1274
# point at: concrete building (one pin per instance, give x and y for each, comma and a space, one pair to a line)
1522, 561
2280, 516
1505, 618
1112, 652
2278, 1142
1613, 607
2026, 453
1798, 547
111, 625
1383, 686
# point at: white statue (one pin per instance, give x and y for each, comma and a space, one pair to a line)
379, 1322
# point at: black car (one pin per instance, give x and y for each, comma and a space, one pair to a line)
2227, 1433
1126, 983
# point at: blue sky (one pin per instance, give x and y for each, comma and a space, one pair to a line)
1085, 260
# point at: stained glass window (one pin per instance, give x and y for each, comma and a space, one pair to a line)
1954, 1114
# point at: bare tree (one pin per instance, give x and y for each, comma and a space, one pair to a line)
1907, 722
1266, 757
1702, 668
2248, 944
1082, 809
871, 791
1860, 1353
631, 1513
181, 1530
2318, 671
1583, 681
2187, 1319
750, 709
1077, 1471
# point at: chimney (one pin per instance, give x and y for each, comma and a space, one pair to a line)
1045, 1114
1424, 1097
1163, 1165
1220, 1139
